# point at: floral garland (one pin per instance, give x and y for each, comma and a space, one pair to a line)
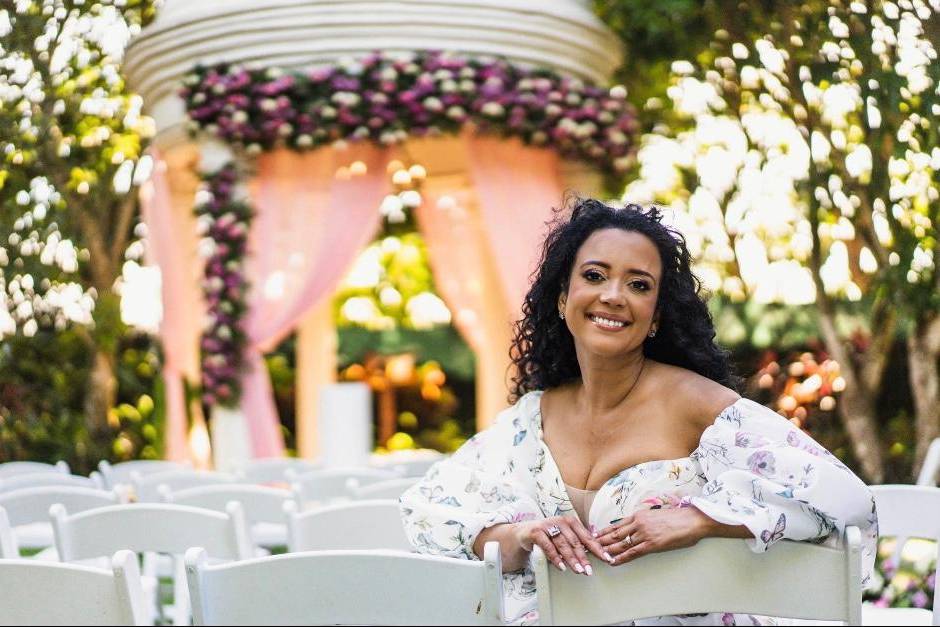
386, 98
224, 223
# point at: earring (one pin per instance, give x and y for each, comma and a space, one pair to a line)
653, 332
561, 315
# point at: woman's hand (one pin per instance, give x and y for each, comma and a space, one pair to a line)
652, 531
563, 539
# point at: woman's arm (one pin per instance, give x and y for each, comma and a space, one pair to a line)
514, 554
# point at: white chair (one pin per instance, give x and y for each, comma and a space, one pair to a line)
147, 487
120, 473
8, 548
273, 469
263, 507
9, 469
323, 486
358, 525
930, 469
391, 489
408, 463
48, 593
152, 527
347, 588
28, 509
36, 479
906, 511
792, 580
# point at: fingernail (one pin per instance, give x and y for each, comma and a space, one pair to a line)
579, 569
589, 570
608, 557
561, 566
594, 533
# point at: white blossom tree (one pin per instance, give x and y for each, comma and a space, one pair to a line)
71, 142
806, 173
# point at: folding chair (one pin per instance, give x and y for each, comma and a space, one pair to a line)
36, 479
8, 548
9, 469
906, 511
152, 527
323, 486
273, 469
356, 525
147, 487
121, 473
49, 593
28, 509
263, 507
347, 588
391, 489
791, 580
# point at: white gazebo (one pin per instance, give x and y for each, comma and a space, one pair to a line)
483, 281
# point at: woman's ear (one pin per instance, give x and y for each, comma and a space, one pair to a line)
562, 301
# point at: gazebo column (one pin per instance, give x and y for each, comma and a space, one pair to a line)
317, 345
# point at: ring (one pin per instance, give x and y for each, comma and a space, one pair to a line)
553, 531
628, 540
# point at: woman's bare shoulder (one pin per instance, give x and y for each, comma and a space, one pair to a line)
697, 398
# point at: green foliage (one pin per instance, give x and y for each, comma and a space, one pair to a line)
442, 344
42, 385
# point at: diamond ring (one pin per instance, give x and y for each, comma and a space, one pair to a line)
553, 531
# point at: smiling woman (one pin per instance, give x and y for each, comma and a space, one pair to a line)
627, 437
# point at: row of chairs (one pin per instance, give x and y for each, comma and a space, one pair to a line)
261, 471
170, 529
388, 587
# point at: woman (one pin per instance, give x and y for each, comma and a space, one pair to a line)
627, 437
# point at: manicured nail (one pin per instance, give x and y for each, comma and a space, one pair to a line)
579, 569
608, 557
594, 533
561, 566
589, 570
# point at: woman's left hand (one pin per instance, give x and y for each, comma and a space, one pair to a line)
652, 531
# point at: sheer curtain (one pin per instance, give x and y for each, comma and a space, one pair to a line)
484, 229
315, 212
181, 325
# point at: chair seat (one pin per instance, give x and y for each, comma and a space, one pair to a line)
872, 615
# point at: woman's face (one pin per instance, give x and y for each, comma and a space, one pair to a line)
610, 305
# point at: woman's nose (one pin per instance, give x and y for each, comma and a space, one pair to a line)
613, 295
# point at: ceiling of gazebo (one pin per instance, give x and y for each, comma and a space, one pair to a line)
563, 35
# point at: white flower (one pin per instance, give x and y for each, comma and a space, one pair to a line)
492, 109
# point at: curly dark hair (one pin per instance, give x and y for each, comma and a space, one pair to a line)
543, 348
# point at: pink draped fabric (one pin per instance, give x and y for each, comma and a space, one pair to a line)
457, 260
465, 278
518, 186
180, 326
310, 224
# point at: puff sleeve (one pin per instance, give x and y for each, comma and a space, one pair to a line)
764, 473
485, 483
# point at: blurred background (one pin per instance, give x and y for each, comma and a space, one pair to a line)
176, 176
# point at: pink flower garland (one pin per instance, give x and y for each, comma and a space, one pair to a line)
385, 99
225, 222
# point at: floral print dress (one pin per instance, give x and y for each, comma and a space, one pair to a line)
752, 467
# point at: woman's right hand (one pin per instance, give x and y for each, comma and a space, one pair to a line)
566, 547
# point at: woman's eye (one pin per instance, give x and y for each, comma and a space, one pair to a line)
640, 285
593, 276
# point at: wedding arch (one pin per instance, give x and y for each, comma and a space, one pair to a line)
274, 127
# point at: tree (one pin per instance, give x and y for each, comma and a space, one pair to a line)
72, 141
807, 157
